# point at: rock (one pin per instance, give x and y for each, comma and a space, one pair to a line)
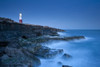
66, 66
61, 50
3, 43
65, 56
12, 52
46, 52
5, 57
20, 57
24, 37
30, 54
39, 34
2, 51
66, 38
60, 63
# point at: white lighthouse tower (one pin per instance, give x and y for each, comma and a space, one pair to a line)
20, 17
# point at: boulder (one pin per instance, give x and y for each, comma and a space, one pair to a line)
13, 52
60, 63
5, 57
66, 66
2, 51
3, 43
20, 57
24, 37
30, 54
65, 56
46, 52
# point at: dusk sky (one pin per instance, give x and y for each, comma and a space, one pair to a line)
64, 14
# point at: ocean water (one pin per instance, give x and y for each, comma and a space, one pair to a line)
84, 52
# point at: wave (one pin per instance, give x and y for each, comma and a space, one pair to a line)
63, 34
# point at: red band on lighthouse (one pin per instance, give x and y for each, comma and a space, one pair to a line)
20, 18
20, 21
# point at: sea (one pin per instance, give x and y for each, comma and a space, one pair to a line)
84, 52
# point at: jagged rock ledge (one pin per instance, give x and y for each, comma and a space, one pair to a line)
65, 38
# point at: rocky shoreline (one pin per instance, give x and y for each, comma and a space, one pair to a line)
21, 44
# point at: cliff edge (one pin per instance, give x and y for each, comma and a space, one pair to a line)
9, 28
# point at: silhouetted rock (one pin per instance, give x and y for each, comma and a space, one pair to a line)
66, 56
46, 52
38, 34
60, 63
3, 43
66, 38
24, 37
66, 66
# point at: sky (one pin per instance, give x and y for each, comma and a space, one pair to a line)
64, 14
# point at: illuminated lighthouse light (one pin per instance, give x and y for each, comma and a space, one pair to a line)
20, 18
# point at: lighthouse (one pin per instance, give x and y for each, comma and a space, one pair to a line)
20, 17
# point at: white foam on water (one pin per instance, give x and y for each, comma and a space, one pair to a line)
57, 44
54, 61
79, 56
63, 34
